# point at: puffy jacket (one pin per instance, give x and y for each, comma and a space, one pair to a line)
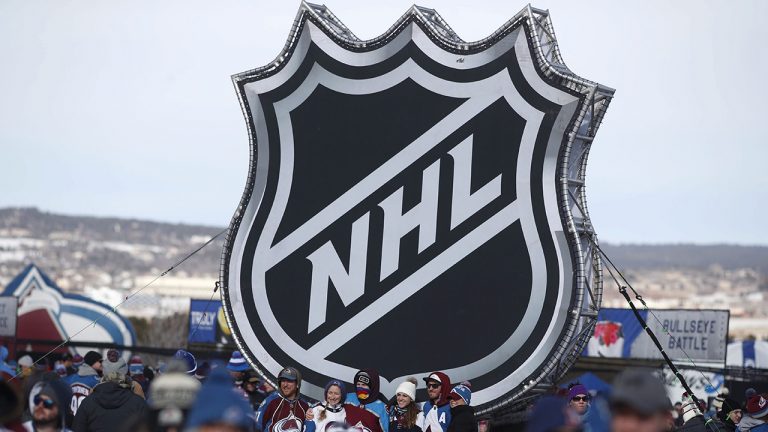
109, 406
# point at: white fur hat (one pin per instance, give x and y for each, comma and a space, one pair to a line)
408, 387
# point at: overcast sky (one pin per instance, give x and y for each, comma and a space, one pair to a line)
126, 108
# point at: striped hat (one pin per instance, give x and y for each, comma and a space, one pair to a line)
237, 363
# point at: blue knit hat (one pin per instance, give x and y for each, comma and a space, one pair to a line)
188, 359
218, 402
461, 391
237, 362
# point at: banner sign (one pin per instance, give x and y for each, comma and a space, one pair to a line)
207, 323
701, 334
8, 310
412, 183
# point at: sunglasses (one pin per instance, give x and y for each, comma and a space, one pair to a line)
47, 403
433, 385
580, 398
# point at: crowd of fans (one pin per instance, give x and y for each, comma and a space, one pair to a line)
95, 393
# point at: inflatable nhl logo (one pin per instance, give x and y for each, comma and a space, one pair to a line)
415, 203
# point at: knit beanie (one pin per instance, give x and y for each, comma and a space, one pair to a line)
338, 384
114, 363
408, 388
577, 389
91, 358
77, 360
757, 406
237, 362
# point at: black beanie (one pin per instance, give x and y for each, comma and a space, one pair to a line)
91, 357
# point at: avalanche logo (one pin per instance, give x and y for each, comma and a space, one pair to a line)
407, 185
607, 341
48, 313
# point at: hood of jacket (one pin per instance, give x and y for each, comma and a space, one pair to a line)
61, 393
748, 422
373, 377
445, 388
111, 395
86, 370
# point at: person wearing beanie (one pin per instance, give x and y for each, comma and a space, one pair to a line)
283, 409
111, 404
86, 378
436, 412
366, 396
729, 415
403, 411
756, 417
49, 407
578, 398
26, 366
462, 415
218, 407
171, 397
328, 411
136, 372
237, 366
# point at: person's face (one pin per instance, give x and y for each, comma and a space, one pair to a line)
45, 409
628, 420
237, 376
268, 387
433, 390
333, 396
735, 416
363, 385
580, 403
288, 388
679, 408
250, 387
98, 367
456, 402
403, 400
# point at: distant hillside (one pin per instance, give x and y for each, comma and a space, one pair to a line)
729, 257
90, 245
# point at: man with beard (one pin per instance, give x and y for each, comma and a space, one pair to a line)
50, 408
283, 410
437, 410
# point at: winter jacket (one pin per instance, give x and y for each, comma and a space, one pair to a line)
462, 419
696, 424
357, 416
82, 384
109, 407
277, 410
375, 407
437, 414
750, 424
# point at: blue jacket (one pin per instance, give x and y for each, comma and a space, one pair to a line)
82, 384
441, 414
377, 407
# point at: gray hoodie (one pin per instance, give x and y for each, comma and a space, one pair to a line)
748, 422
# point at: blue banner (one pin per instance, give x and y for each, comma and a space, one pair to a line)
203, 322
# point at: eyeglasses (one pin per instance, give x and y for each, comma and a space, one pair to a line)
580, 398
433, 386
47, 403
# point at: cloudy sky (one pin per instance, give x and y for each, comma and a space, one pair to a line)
126, 108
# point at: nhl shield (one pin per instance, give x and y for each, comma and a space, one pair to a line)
414, 204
